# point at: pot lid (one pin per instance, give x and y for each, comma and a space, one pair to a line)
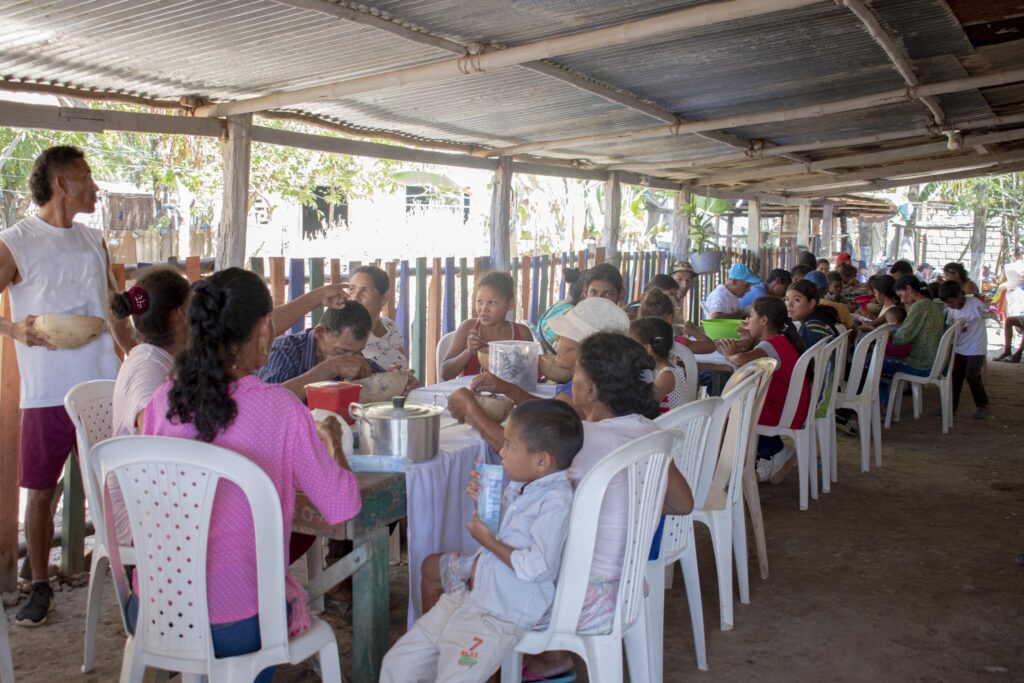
398, 409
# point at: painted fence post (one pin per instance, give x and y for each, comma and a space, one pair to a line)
256, 266
561, 287
463, 289
545, 286
278, 281
402, 312
296, 287
418, 356
535, 289
316, 279
391, 268
448, 306
433, 316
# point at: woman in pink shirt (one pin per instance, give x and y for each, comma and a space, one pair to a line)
214, 395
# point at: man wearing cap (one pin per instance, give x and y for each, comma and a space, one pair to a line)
724, 300
590, 316
778, 281
821, 282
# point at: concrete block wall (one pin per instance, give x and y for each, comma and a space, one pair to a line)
942, 245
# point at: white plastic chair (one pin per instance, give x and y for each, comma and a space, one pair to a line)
939, 376
764, 367
444, 344
644, 462
6, 663
169, 488
803, 436
719, 505
860, 393
689, 362
89, 407
834, 364
698, 437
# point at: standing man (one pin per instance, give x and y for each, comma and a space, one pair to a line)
51, 264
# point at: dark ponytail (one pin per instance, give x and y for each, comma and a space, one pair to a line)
223, 315
911, 282
622, 372
158, 293
778, 319
574, 278
654, 331
810, 291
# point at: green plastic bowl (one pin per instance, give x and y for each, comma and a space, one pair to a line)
722, 328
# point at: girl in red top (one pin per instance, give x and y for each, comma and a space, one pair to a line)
773, 335
495, 295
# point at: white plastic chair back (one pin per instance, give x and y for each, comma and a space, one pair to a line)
873, 343
169, 487
644, 462
89, 407
944, 354
694, 426
834, 365
735, 421
444, 344
811, 358
689, 362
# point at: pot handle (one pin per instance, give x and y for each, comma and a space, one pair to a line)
355, 410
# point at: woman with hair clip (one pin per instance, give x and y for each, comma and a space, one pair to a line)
215, 396
775, 336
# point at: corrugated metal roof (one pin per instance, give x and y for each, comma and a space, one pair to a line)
235, 49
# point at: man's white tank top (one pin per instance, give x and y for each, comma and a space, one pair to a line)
61, 270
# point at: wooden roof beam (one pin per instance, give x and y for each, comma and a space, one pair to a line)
899, 58
788, 114
885, 184
619, 34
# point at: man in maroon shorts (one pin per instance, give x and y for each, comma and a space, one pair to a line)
51, 264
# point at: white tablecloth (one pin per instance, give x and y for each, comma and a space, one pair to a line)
438, 507
713, 358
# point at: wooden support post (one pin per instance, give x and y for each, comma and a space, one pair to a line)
524, 274
194, 269
316, 279
754, 227
10, 436
612, 217
391, 268
681, 222
278, 280
236, 149
72, 539
418, 355
501, 216
463, 289
827, 210
297, 287
803, 226
433, 320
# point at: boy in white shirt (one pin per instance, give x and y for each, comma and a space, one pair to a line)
493, 597
971, 347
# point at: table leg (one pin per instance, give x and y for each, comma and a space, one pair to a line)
370, 608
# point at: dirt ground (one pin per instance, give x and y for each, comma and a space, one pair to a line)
907, 573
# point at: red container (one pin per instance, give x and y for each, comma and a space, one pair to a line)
333, 396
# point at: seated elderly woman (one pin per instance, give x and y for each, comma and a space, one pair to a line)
371, 286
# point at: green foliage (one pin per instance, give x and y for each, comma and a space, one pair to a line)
702, 212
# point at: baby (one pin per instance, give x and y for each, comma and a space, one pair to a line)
494, 596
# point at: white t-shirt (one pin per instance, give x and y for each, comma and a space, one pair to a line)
720, 300
1014, 273
61, 270
600, 439
973, 339
387, 350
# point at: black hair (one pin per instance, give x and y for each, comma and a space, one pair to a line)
550, 426
780, 274
353, 316
223, 314
959, 269
165, 291
574, 278
662, 282
884, 284
911, 282
379, 276
901, 267
801, 269
500, 282
949, 290
933, 290
604, 272
820, 261
621, 370
899, 312
834, 276
50, 162
810, 291
807, 258
656, 303
774, 309
847, 269
656, 332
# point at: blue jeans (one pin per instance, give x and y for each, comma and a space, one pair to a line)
889, 368
229, 640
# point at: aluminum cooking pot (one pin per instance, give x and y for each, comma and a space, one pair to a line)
394, 428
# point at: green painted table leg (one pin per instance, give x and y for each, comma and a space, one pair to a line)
370, 608
72, 549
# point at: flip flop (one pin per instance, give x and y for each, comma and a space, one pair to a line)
566, 677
